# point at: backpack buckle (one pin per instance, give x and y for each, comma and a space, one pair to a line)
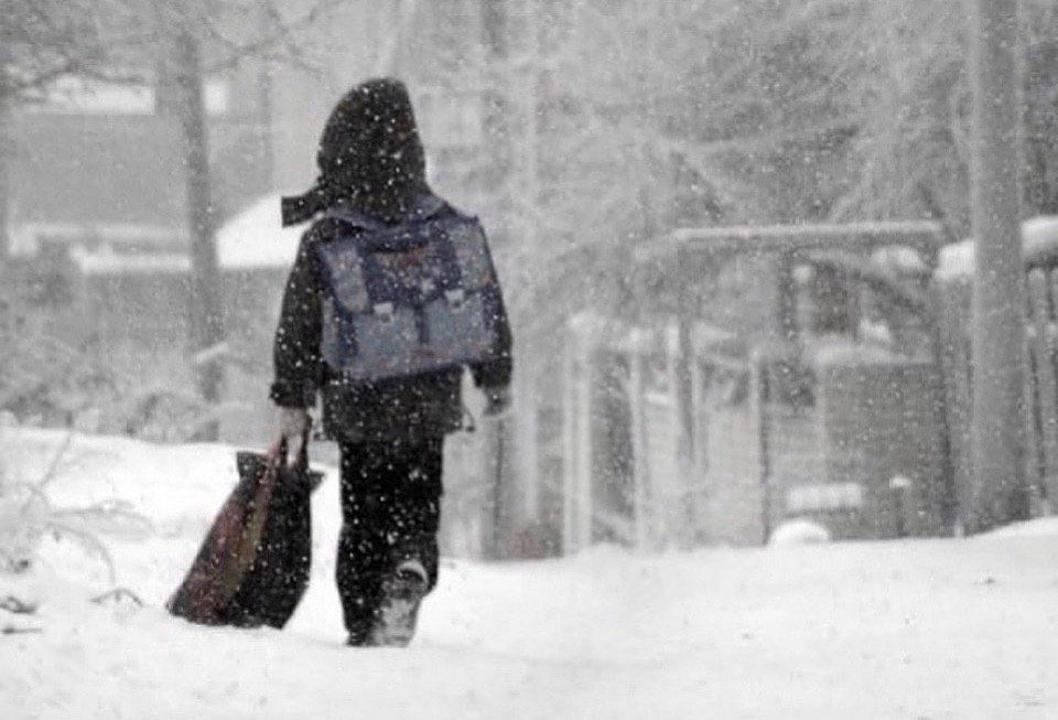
456, 297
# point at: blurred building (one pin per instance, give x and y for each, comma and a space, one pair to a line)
96, 164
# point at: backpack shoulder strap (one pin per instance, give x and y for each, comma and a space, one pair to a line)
425, 207
350, 217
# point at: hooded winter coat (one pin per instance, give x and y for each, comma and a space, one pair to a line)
371, 162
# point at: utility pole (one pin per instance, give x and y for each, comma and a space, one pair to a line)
998, 491
207, 327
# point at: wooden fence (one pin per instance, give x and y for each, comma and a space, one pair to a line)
724, 443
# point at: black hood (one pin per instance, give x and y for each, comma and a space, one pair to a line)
370, 156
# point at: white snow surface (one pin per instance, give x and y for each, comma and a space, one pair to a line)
911, 629
798, 532
1039, 237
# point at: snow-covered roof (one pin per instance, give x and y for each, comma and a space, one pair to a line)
107, 262
955, 261
255, 238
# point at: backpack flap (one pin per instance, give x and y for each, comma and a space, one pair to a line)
408, 267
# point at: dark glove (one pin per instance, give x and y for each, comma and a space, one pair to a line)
294, 425
497, 400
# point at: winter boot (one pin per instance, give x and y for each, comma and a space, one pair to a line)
397, 614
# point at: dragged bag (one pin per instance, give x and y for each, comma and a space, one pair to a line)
253, 566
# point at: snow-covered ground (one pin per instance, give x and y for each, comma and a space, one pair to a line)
916, 629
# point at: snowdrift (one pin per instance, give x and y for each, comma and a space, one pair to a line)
939, 628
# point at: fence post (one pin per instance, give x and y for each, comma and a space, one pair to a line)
688, 312
640, 467
577, 437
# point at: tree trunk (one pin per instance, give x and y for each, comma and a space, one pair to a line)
264, 122
998, 493
5, 188
497, 112
525, 419
499, 536
5, 154
206, 314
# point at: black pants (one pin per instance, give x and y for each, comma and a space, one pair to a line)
391, 510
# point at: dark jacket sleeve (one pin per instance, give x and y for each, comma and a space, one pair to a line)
497, 371
296, 353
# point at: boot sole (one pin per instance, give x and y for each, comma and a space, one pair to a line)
398, 614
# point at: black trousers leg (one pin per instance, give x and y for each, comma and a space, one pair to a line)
391, 510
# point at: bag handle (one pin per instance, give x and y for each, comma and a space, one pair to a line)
278, 454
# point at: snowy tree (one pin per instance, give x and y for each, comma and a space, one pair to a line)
873, 101
39, 43
195, 39
43, 41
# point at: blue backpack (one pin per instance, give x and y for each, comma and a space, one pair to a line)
407, 299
